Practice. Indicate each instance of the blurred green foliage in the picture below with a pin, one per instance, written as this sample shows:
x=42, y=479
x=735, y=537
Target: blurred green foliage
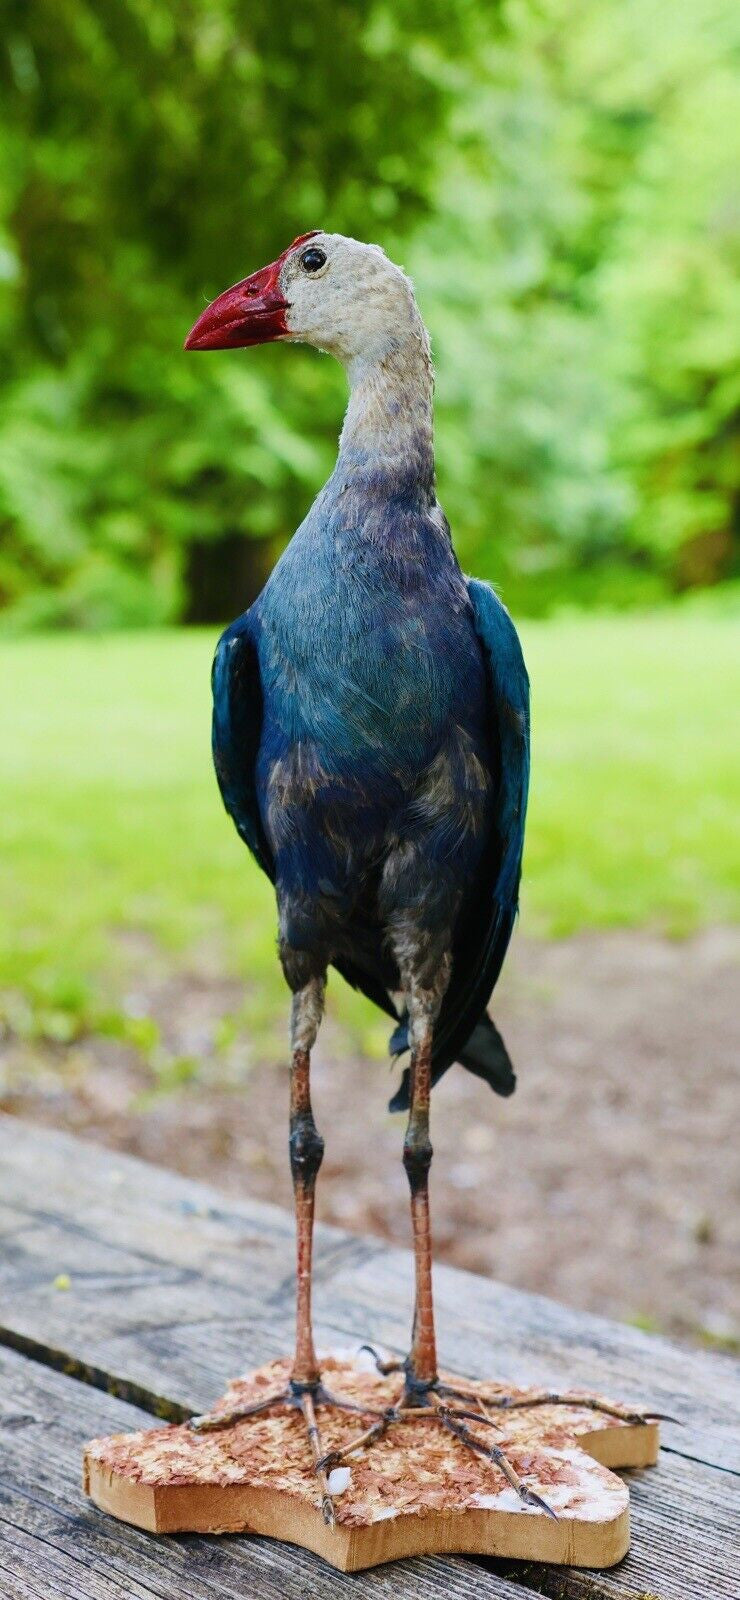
x=560, y=178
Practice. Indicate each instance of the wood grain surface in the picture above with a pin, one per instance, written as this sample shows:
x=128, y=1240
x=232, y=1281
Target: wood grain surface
x=172, y=1291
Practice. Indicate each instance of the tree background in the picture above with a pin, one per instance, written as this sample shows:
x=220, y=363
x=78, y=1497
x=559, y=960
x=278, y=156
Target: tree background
x=560, y=178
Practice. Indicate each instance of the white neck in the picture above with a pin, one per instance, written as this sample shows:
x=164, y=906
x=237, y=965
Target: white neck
x=388, y=427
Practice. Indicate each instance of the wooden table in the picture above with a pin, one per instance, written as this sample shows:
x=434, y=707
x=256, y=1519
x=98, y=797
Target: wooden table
x=128, y=1293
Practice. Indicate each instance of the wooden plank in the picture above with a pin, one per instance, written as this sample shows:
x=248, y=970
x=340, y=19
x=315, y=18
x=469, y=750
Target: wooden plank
x=175, y=1290
x=55, y=1545
x=166, y=1275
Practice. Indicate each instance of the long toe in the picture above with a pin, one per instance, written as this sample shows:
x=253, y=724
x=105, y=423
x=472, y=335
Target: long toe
x=528, y=1402
x=577, y=1402
x=492, y=1453
x=318, y=1454
x=217, y=1421
x=334, y=1458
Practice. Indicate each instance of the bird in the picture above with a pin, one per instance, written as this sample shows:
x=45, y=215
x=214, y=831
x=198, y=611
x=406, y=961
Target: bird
x=371, y=740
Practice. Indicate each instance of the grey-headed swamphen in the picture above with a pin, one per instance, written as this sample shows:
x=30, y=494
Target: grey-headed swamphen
x=371, y=741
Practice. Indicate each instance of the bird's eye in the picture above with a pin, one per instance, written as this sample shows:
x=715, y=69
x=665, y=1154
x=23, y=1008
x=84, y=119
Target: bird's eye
x=313, y=258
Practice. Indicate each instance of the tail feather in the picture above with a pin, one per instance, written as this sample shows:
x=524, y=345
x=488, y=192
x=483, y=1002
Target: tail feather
x=485, y=1055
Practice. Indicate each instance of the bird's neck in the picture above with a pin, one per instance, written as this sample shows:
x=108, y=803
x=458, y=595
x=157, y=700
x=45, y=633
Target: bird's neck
x=387, y=438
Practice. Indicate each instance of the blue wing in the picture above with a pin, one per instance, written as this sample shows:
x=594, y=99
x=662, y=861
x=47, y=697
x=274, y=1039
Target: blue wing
x=237, y=727
x=508, y=687
x=236, y=734
x=484, y=937
x=486, y=924
x=485, y=929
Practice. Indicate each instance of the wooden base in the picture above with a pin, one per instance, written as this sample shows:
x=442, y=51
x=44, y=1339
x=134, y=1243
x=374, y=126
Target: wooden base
x=416, y=1491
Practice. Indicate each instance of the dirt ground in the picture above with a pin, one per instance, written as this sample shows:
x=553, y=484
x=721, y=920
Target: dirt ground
x=610, y=1180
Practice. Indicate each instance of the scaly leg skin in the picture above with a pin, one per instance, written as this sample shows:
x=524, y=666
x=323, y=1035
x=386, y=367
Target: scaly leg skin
x=422, y=1395
x=314, y=1439
x=305, y=1390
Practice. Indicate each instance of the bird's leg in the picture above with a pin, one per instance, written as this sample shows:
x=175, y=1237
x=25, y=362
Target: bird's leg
x=423, y=1396
x=425, y=974
x=306, y=1152
x=421, y=1367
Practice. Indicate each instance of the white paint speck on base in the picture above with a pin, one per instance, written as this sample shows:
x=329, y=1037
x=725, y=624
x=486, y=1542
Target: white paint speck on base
x=506, y=1500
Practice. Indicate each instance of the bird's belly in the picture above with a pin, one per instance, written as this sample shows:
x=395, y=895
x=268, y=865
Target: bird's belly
x=335, y=819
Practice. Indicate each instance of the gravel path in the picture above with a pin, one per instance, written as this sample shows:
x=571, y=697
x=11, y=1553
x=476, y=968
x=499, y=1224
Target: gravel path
x=609, y=1180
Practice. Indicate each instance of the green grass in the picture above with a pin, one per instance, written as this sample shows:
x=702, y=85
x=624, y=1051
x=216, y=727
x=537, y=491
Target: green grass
x=113, y=842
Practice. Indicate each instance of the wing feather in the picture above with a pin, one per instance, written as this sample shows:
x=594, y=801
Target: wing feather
x=483, y=938
x=236, y=733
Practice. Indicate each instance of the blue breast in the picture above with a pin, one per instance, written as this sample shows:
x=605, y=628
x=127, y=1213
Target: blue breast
x=366, y=644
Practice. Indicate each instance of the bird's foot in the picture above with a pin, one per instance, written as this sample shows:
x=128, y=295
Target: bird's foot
x=456, y=1408
x=533, y=1398
x=432, y=1401
x=303, y=1397
x=468, y=1414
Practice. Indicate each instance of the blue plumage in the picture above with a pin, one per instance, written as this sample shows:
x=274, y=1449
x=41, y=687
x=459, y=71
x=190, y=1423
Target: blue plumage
x=371, y=740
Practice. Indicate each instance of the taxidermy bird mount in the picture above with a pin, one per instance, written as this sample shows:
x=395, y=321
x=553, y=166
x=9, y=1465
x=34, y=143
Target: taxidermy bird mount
x=371, y=742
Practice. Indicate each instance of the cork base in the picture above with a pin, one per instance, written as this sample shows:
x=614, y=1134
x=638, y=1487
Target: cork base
x=416, y=1491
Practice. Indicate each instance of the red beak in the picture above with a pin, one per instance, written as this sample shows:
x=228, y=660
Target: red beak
x=253, y=312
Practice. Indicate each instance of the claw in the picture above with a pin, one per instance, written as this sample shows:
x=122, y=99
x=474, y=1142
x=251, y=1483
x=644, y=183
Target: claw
x=383, y=1366
x=531, y=1499
x=655, y=1416
x=470, y=1416
x=481, y=1412
x=214, y=1421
